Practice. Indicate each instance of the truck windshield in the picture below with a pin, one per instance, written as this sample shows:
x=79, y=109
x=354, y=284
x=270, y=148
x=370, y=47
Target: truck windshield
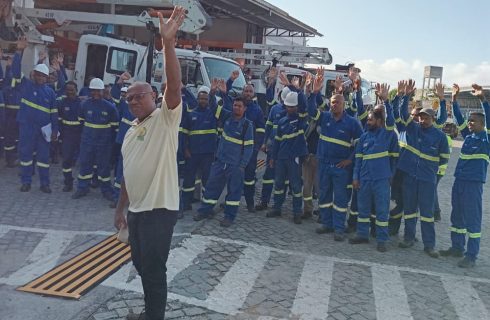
x=221, y=69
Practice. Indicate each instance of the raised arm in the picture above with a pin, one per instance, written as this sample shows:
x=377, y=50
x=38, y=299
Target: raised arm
x=382, y=91
x=442, y=112
x=460, y=120
x=313, y=111
x=478, y=92
x=271, y=85
x=168, y=31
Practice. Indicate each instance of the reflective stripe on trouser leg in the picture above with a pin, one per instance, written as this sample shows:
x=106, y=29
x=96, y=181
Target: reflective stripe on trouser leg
x=234, y=192
x=214, y=187
x=188, y=185
x=309, y=175
x=267, y=182
x=381, y=194
x=364, y=200
x=70, y=148
x=11, y=135
x=42, y=148
x=427, y=192
x=340, y=198
x=354, y=209
x=249, y=183
x=410, y=200
x=26, y=148
x=471, y=192
x=87, y=159
x=279, y=185
x=296, y=185
x=103, y=160
x=458, y=229
x=325, y=197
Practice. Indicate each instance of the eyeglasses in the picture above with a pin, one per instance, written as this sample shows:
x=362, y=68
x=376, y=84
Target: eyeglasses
x=137, y=96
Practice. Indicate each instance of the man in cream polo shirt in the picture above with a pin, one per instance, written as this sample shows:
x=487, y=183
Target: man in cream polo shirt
x=150, y=185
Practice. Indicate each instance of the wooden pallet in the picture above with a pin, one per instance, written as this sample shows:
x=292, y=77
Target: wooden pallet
x=78, y=275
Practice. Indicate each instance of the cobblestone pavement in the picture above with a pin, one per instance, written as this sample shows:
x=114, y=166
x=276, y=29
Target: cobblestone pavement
x=257, y=269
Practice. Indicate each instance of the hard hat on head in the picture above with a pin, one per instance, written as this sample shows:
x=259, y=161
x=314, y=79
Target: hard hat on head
x=428, y=111
x=42, y=68
x=96, y=84
x=284, y=93
x=203, y=89
x=124, y=89
x=291, y=99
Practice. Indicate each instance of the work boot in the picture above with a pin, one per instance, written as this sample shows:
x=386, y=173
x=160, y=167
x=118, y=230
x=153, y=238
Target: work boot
x=431, y=252
x=358, y=240
x=406, y=244
x=67, y=188
x=187, y=207
x=45, y=189
x=350, y=229
x=381, y=247
x=261, y=206
x=108, y=196
x=226, y=222
x=136, y=316
x=25, y=187
x=316, y=212
x=297, y=219
x=79, y=194
x=339, y=237
x=437, y=216
x=251, y=208
x=306, y=215
x=466, y=263
x=273, y=213
x=451, y=252
x=94, y=184
x=323, y=229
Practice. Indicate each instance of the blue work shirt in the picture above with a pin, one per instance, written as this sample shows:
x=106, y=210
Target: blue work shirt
x=290, y=141
x=69, y=111
x=201, y=129
x=125, y=116
x=100, y=120
x=235, y=146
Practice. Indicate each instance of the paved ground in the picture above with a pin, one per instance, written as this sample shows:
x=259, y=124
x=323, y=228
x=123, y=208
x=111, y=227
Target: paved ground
x=258, y=269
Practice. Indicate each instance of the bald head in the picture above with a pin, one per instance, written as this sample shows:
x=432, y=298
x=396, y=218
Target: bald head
x=337, y=104
x=141, y=99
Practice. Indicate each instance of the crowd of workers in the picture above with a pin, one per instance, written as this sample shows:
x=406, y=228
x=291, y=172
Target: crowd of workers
x=338, y=149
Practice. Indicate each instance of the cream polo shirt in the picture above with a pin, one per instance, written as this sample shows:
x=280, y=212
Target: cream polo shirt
x=149, y=153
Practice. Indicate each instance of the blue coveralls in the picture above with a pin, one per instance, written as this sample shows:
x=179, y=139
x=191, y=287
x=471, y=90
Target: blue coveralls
x=288, y=153
x=376, y=154
x=12, y=105
x=200, y=138
x=71, y=132
x=2, y=111
x=470, y=174
x=189, y=103
x=425, y=150
x=335, y=145
x=397, y=185
x=37, y=109
x=100, y=120
x=235, y=149
x=126, y=118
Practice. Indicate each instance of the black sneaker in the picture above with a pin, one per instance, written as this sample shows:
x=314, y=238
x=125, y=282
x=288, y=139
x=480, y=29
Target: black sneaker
x=466, y=263
x=406, y=244
x=261, y=206
x=323, y=229
x=306, y=215
x=67, y=188
x=451, y=252
x=316, y=212
x=431, y=252
x=339, y=237
x=297, y=219
x=273, y=213
x=79, y=194
x=45, y=189
x=358, y=240
x=226, y=222
x=25, y=188
x=381, y=247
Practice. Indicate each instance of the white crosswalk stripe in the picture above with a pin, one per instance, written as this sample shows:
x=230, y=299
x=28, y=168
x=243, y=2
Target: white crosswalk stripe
x=230, y=294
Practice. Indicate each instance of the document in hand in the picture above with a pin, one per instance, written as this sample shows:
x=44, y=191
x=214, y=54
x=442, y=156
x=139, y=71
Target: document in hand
x=46, y=131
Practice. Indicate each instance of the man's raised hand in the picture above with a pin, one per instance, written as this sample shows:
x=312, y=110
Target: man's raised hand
x=382, y=90
x=454, y=91
x=410, y=87
x=439, y=88
x=400, y=90
x=168, y=29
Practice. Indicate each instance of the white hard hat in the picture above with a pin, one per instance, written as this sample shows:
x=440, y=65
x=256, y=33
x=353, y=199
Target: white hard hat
x=42, y=68
x=124, y=89
x=284, y=93
x=203, y=89
x=96, y=84
x=291, y=99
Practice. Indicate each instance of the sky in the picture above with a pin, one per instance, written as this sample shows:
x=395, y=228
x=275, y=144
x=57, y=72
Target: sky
x=392, y=40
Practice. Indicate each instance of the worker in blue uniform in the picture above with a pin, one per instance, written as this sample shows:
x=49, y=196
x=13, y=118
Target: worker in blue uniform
x=288, y=153
x=255, y=115
x=118, y=93
x=200, y=141
x=425, y=150
x=375, y=164
x=189, y=103
x=2, y=107
x=470, y=174
x=37, y=118
x=100, y=120
x=11, y=127
x=335, y=155
x=69, y=107
x=234, y=152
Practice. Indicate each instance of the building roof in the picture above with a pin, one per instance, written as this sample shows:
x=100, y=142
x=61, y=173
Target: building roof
x=276, y=21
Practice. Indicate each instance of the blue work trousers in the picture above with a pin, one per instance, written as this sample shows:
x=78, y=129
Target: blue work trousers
x=249, y=188
x=267, y=181
x=31, y=141
x=118, y=176
x=99, y=155
x=375, y=192
x=466, y=216
x=196, y=163
x=333, y=197
x=70, y=148
x=288, y=169
x=11, y=135
x=223, y=174
x=418, y=197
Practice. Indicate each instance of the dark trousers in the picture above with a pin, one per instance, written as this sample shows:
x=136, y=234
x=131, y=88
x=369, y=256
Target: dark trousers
x=150, y=235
